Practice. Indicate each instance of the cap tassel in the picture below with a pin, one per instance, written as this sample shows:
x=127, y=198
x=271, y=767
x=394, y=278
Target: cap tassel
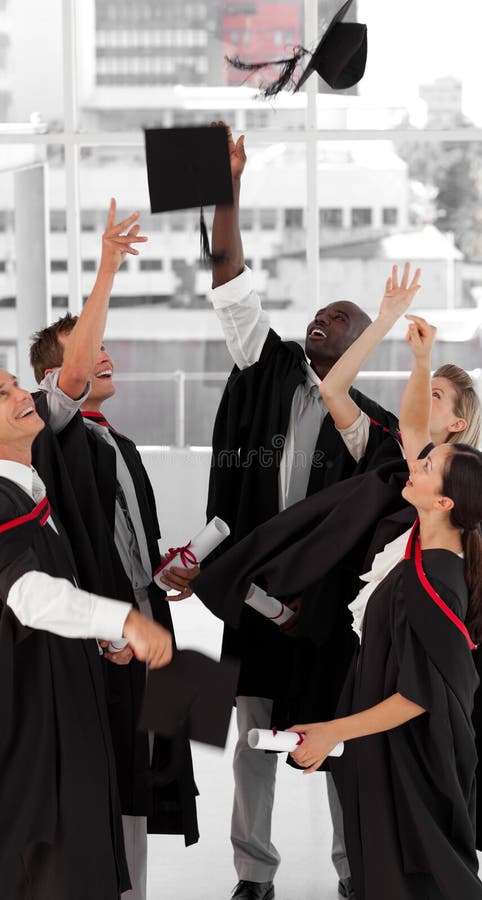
x=206, y=255
x=205, y=248
x=285, y=78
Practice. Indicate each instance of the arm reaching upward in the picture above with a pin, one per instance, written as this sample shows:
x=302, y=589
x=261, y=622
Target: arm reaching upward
x=227, y=245
x=336, y=384
x=82, y=350
x=417, y=397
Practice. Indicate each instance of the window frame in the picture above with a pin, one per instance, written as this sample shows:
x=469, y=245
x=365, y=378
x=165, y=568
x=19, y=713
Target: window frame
x=72, y=140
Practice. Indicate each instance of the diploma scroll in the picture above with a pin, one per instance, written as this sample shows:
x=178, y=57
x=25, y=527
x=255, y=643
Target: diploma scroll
x=195, y=551
x=117, y=646
x=268, y=606
x=284, y=741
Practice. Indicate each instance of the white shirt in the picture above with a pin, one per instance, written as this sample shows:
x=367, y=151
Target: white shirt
x=383, y=563
x=246, y=327
x=129, y=535
x=62, y=408
x=54, y=604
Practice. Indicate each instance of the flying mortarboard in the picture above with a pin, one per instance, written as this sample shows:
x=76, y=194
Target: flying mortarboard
x=188, y=167
x=193, y=695
x=340, y=58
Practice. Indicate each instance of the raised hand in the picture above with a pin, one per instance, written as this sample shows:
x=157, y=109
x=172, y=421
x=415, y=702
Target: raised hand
x=237, y=152
x=149, y=641
x=116, y=245
x=398, y=297
x=420, y=336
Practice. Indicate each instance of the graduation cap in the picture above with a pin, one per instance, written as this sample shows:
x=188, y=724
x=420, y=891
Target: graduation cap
x=188, y=167
x=340, y=58
x=193, y=695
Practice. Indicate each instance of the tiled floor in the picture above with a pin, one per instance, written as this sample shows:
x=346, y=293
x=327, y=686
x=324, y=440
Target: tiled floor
x=301, y=825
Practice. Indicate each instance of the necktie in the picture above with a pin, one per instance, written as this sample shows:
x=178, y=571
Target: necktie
x=38, y=487
x=125, y=495
x=306, y=433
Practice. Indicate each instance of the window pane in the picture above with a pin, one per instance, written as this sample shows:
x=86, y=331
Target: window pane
x=361, y=216
x=390, y=215
x=160, y=319
x=31, y=62
x=438, y=86
x=331, y=218
x=155, y=63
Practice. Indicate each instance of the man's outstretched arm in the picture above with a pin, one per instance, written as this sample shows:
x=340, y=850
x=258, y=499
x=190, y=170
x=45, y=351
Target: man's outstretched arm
x=82, y=349
x=227, y=244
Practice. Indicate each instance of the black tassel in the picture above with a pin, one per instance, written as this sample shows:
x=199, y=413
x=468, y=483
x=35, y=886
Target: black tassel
x=285, y=78
x=206, y=255
x=205, y=248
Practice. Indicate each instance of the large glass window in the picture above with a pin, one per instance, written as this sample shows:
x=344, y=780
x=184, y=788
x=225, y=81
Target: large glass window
x=338, y=185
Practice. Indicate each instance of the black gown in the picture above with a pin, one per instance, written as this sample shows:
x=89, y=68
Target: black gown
x=60, y=823
x=79, y=471
x=248, y=440
x=408, y=795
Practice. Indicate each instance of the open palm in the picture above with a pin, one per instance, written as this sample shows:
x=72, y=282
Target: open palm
x=399, y=296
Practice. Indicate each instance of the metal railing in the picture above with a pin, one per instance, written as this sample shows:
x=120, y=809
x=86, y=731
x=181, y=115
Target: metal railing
x=180, y=378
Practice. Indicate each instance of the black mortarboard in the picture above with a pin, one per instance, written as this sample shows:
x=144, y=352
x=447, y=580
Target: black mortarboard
x=188, y=167
x=339, y=58
x=193, y=695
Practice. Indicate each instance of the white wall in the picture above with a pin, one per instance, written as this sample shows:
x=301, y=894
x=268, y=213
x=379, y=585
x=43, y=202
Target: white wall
x=180, y=482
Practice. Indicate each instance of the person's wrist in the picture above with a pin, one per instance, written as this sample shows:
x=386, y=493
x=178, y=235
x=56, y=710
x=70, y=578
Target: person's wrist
x=107, y=268
x=338, y=731
x=130, y=623
x=388, y=318
x=423, y=361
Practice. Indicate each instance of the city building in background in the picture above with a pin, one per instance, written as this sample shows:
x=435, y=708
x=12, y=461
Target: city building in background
x=444, y=102
x=378, y=198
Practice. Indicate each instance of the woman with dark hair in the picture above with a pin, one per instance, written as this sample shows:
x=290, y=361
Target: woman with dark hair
x=407, y=775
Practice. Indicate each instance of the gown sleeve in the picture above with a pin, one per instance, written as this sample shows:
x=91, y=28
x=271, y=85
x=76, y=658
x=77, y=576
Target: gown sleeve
x=417, y=674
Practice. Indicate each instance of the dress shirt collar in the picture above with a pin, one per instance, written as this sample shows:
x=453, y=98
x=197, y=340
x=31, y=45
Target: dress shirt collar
x=311, y=377
x=19, y=473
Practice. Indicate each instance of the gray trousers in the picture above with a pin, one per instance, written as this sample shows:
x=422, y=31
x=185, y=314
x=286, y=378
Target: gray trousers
x=135, y=827
x=255, y=856
x=135, y=840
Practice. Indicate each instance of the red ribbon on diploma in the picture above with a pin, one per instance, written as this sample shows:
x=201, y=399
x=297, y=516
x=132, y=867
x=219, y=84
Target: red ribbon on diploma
x=186, y=556
x=277, y=616
x=300, y=736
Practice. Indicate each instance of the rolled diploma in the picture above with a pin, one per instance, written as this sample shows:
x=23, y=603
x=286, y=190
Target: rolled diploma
x=215, y=532
x=268, y=606
x=117, y=646
x=285, y=741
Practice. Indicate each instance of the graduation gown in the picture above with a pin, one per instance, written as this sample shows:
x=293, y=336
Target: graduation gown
x=79, y=471
x=408, y=795
x=248, y=441
x=60, y=823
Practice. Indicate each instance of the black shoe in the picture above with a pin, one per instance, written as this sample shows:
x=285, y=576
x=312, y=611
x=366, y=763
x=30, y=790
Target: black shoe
x=253, y=890
x=345, y=889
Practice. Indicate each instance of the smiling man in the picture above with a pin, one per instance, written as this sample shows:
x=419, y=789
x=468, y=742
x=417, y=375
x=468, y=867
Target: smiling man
x=109, y=505
x=60, y=825
x=274, y=443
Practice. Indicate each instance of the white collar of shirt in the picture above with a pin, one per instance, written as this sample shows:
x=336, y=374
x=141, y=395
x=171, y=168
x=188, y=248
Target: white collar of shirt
x=21, y=474
x=24, y=476
x=311, y=377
